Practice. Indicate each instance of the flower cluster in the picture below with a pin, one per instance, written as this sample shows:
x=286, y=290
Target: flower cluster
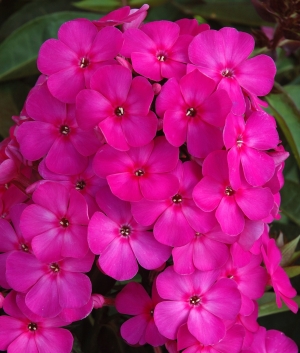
x=148, y=146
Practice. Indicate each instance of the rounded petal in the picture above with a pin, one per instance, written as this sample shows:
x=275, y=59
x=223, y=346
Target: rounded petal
x=208, y=194
x=230, y=216
x=175, y=125
x=158, y=186
x=58, y=340
x=133, y=330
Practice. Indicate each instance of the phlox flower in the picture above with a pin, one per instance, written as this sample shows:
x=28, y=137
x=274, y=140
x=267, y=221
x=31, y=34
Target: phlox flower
x=121, y=241
x=192, y=112
x=27, y=332
x=200, y=300
x=11, y=240
x=247, y=143
x=119, y=105
x=232, y=341
x=50, y=287
x=140, y=172
x=191, y=26
x=54, y=133
x=140, y=329
x=56, y=224
x=11, y=196
x=176, y=218
x=157, y=50
x=79, y=51
x=222, y=55
x=271, y=341
x=129, y=18
x=232, y=204
x=277, y=276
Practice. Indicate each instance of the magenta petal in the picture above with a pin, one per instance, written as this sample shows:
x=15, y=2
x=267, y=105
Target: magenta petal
x=9, y=239
x=43, y=298
x=256, y=203
x=149, y=253
x=91, y=108
x=47, y=247
x=99, y=225
x=215, y=166
x=26, y=341
x=234, y=166
x=125, y=186
x=163, y=33
x=133, y=330
x=133, y=299
x=233, y=340
x=147, y=65
x=106, y=45
x=252, y=231
x=111, y=128
x=153, y=336
x=169, y=316
x=23, y=270
x=206, y=327
x=170, y=97
x=58, y=340
x=276, y=340
x=3, y=281
x=172, y=228
x=258, y=166
x=171, y=68
x=183, y=259
x=55, y=56
x=118, y=260
x=11, y=328
x=230, y=216
x=75, y=241
x=208, y=193
x=258, y=126
x=135, y=38
x=175, y=137
x=139, y=130
x=35, y=139
x=63, y=158
x=232, y=87
x=256, y=75
x=68, y=297
x=158, y=186
x=146, y=212
x=66, y=84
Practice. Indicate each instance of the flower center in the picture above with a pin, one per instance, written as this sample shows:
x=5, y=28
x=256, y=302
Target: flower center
x=161, y=57
x=227, y=73
x=64, y=129
x=32, y=326
x=54, y=267
x=24, y=247
x=139, y=172
x=177, y=198
x=195, y=300
x=64, y=223
x=191, y=112
x=239, y=141
x=230, y=276
x=80, y=185
x=229, y=191
x=84, y=62
x=151, y=312
x=125, y=231
x=197, y=234
x=119, y=111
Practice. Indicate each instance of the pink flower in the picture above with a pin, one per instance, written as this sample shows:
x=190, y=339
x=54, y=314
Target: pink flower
x=140, y=329
x=56, y=224
x=193, y=112
x=278, y=277
x=200, y=300
x=11, y=196
x=129, y=18
x=54, y=133
x=120, y=241
x=222, y=55
x=27, y=332
x=79, y=51
x=157, y=50
x=139, y=172
x=247, y=142
x=191, y=27
x=119, y=105
x=50, y=287
x=232, y=204
x=177, y=218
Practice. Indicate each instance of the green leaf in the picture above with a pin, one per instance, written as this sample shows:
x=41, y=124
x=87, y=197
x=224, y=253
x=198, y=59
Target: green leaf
x=292, y=271
x=287, y=114
x=18, y=53
x=290, y=205
x=30, y=11
x=294, y=93
x=98, y=6
x=287, y=251
x=268, y=306
x=234, y=11
x=12, y=95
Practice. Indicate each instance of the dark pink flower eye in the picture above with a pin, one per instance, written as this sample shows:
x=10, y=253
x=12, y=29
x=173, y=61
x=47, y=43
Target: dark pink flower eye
x=229, y=191
x=64, y=222
x=80, y=185
x=64, y=129
x=139, y=172
x=32, y=326
x=177, y=198
x=195, y=300
x=119, y=111
x=227, y=73
x=161, y=57
x=54, y=267
x=191, y=112
x=24, y=247
x=125, y=231
x=84, y=62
